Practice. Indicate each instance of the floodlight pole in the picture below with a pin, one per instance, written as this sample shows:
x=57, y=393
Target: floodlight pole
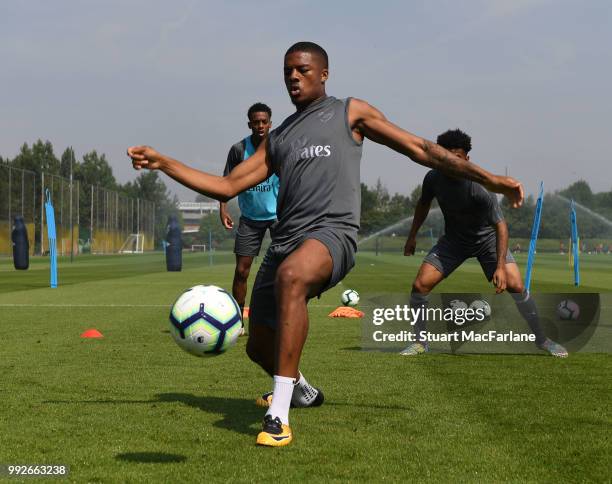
x=91, y=221
x=71, y=224
x=10, y=191
x=42, y=211
x=210, y=255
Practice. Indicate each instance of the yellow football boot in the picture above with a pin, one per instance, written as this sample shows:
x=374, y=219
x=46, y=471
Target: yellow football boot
x=274, y=433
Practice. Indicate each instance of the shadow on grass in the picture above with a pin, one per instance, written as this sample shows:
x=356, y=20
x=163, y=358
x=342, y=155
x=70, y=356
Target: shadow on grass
x=150, y=457
x=237, y=414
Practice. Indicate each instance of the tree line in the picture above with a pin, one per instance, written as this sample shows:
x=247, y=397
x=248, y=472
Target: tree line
x=379, y=209
x=94, y=169
x=555, y=221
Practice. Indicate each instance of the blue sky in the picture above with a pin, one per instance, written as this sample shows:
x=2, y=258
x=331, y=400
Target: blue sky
x=528, y=79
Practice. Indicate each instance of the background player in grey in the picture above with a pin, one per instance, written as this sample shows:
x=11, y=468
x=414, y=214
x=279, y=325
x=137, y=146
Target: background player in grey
x=473, y=227
x=316, y=153
x=257, y=204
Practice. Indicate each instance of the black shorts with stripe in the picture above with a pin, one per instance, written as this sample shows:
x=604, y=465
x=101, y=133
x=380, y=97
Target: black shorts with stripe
x=446, y=256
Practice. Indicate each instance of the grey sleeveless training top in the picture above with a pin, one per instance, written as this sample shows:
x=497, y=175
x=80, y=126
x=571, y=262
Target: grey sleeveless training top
x=470, y=210
x=314, y=154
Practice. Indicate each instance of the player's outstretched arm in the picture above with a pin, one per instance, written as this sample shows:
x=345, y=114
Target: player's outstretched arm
x=420, y=214
x=246, y=175
x=499, y=277
x=370, y=123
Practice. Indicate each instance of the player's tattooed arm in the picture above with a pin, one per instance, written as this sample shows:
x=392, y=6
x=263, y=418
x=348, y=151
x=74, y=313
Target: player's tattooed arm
x=223, y=188
x=441, y=159
x=368, y=122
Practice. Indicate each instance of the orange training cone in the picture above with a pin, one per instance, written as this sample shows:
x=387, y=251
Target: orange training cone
x=346, y=312
x=245, y=312
x=92, y=333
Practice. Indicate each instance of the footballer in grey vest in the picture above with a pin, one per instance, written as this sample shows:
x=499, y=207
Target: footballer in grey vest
x=315, y=152
x=317, y=160
x=474, y=226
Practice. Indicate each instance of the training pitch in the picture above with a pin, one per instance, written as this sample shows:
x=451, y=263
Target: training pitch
x=133, y=407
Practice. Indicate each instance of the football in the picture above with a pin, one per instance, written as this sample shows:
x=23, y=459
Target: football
x=205, y=320
x=456, y=304
x=568, y=310
x=350, y=297
x=483, y=306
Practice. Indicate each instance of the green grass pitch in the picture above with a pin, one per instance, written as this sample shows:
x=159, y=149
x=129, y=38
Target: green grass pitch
x=133, y=407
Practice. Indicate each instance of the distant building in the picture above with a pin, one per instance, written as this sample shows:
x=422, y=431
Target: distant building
x=193, y=212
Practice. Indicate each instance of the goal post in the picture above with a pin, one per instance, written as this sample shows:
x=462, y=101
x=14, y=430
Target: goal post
x=134, y=244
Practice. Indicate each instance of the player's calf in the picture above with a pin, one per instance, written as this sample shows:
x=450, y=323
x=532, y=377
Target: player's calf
x=260, y=347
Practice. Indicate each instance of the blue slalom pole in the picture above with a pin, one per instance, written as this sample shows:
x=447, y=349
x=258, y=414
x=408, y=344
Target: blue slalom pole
x=52, y=238
x=575, y=244
x=535, y=229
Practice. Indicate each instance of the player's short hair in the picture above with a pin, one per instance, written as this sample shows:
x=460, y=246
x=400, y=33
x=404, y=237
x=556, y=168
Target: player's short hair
x=310, y=47
x=259, y=108
x=455, y=139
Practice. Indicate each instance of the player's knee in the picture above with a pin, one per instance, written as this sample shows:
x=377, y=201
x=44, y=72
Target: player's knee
x=419, y=286
x=242, y=272
x=289, y=278
x=515, y=286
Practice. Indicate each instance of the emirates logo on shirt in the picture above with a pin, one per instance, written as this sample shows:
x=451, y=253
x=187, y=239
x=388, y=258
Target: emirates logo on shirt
x=314, y=151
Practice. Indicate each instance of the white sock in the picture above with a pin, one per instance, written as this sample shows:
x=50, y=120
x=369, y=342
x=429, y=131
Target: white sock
x=283, y=389
x=303, y=393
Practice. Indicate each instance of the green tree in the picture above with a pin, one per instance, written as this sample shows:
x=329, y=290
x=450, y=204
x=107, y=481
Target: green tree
x=210, y=224
x=579, y=191
x=39, y=158
x=602, y=203
x=379, y=209
x=68, y=163
x=148, y=186
x=519, y=220
x=415, y=195
x=95, y=170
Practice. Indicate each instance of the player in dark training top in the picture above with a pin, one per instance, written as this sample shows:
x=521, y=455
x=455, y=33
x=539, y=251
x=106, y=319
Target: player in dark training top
x=316, y=153
x=473, y=227
x=257, y=204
